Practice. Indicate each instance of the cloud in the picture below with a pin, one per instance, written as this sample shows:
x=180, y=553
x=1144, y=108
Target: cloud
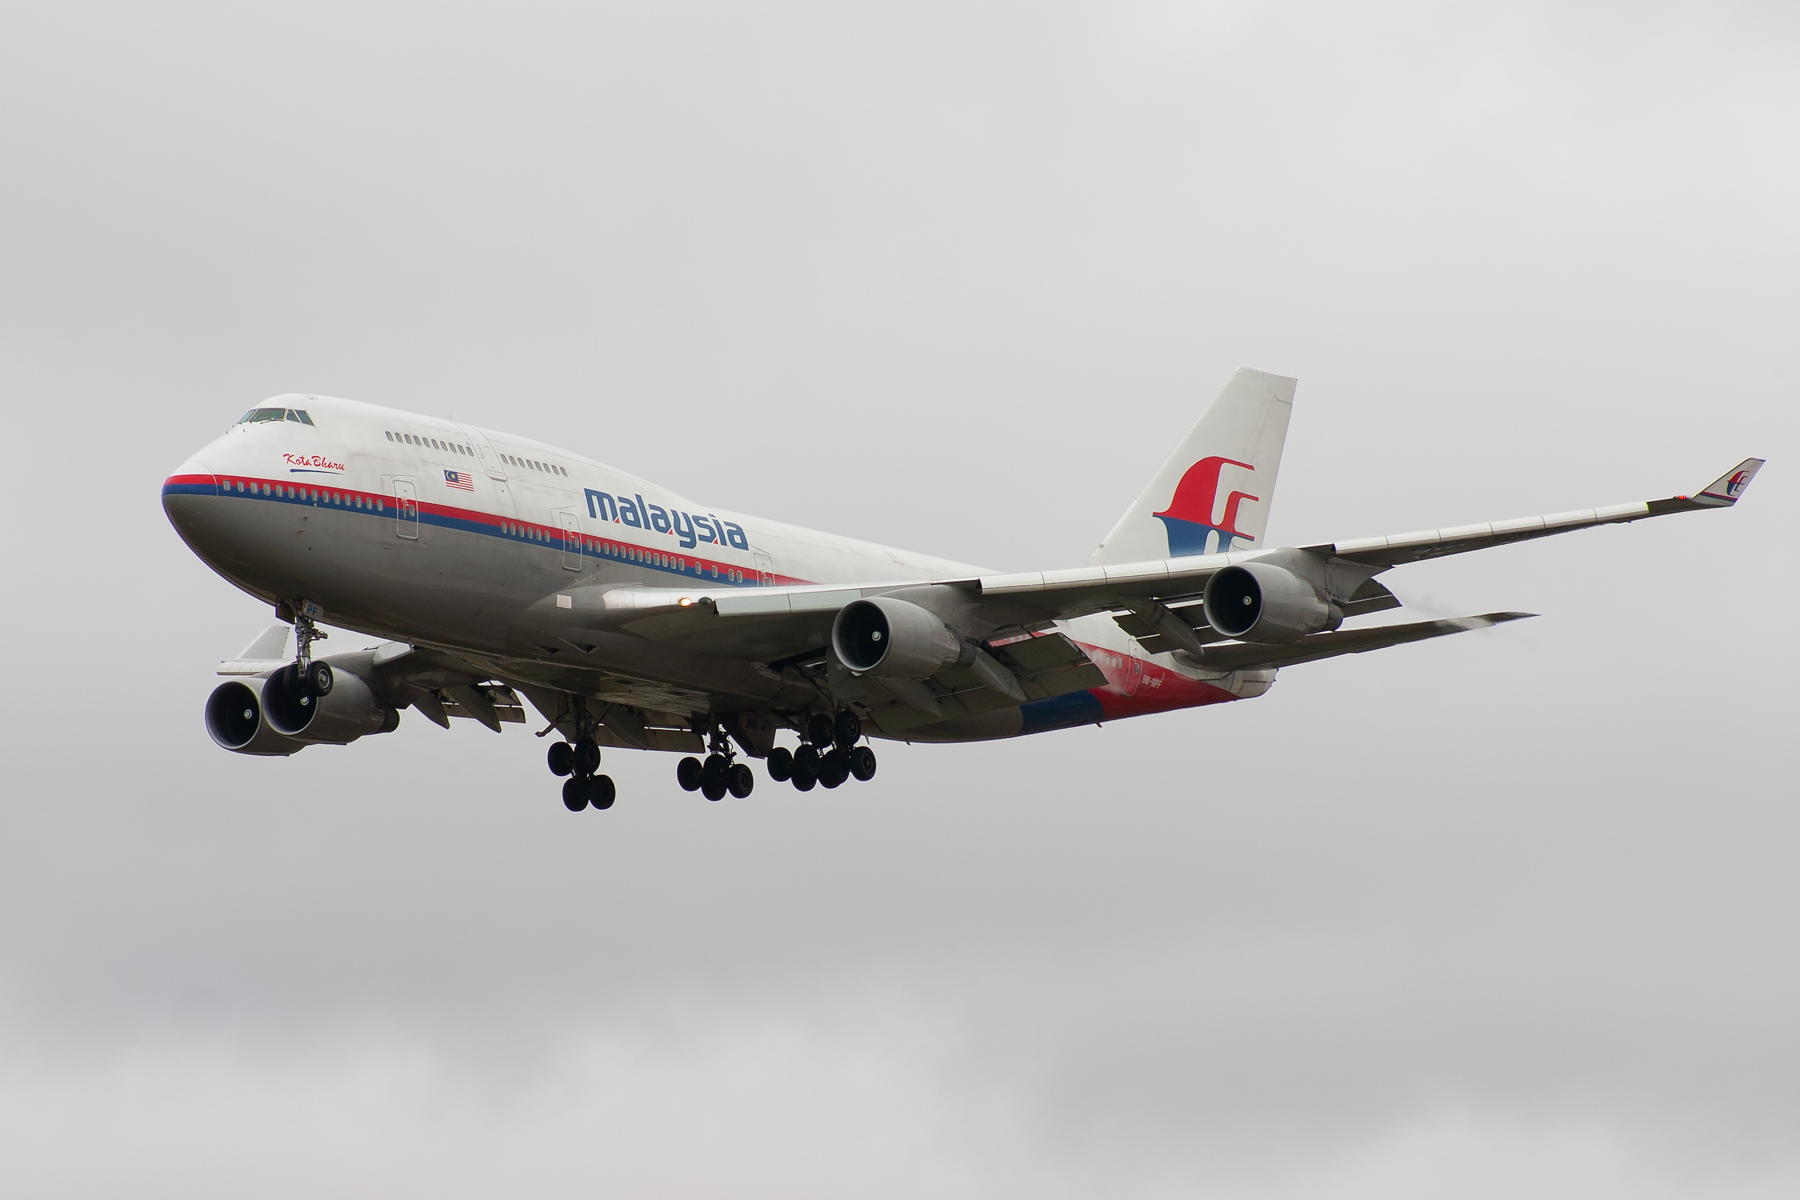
x=1509, y=911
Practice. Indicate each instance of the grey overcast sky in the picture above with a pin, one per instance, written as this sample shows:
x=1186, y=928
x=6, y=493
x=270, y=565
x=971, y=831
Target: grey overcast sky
x=1511, y=914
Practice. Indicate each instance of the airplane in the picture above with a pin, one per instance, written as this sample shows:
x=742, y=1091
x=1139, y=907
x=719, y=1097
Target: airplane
x=494, y=567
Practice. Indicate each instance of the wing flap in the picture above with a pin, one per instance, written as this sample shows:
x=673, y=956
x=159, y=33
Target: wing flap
x=1243, y=655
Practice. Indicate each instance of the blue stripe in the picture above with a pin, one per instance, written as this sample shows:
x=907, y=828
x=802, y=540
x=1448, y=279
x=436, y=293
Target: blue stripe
x=555, y=542
x=1061, y=712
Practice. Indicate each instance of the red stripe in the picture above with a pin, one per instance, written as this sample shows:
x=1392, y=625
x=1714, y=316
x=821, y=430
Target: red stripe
x=552, y=534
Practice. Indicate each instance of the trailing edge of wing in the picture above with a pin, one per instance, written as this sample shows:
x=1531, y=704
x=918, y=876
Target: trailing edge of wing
x=1243, y=655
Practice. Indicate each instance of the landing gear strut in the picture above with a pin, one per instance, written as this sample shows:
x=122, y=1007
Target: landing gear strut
x=578, y=760
x=315, y=678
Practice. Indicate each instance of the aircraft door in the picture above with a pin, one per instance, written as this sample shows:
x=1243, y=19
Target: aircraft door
x=406, y=509
x=765, y=568
x=571, y=559
x=1133, y=674
x=485, y=454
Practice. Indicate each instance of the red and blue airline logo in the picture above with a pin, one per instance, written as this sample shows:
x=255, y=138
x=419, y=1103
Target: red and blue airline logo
x=1189, y=517
x=1736, y=483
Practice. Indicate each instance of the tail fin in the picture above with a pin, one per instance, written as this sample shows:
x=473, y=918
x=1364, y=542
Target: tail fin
x=1214, y=492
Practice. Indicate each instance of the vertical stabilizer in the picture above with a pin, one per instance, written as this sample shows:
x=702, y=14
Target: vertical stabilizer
x=1214, y=492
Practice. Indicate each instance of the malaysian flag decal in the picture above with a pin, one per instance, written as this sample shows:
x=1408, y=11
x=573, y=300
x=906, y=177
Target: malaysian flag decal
x=459, y=479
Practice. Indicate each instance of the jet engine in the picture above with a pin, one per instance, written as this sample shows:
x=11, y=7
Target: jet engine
x=1260, y=602
x=234, y=718
x=892, y=638
x=341, y=715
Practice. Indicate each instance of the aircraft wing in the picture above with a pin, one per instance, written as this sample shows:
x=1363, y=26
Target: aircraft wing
x=1385, y=552
x=770, y=624
x=1084, y=590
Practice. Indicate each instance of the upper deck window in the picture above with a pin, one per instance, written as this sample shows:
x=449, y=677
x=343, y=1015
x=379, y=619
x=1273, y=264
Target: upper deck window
x=256, y=415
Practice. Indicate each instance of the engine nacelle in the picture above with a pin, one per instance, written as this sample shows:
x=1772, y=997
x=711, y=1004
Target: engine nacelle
x=234, y=718
x=1260, y=602
x=342, y=715
x=892, y=638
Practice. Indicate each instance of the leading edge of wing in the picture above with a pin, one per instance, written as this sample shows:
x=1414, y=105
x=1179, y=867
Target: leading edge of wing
x=1384, y=552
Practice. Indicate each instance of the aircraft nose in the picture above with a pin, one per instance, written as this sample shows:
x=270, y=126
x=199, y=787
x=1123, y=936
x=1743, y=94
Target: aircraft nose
x=183, y=495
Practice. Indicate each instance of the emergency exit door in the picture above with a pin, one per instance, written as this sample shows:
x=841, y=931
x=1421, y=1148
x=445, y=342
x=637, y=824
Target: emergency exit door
x=406, y=509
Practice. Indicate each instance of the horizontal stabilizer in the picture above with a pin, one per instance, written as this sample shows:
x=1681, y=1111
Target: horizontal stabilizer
x=1243, y=655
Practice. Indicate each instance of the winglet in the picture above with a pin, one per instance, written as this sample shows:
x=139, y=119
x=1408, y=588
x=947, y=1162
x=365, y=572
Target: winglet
x=1722, y=492
x=1726, y=489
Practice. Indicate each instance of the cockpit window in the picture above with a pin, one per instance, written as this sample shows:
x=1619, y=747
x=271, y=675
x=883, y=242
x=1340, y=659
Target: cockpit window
x=256, y=415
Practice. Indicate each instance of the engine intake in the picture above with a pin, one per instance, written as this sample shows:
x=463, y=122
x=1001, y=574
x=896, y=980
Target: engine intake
x=892, y=638
x=234, y=718
x=1259, y=602
x=342, y=715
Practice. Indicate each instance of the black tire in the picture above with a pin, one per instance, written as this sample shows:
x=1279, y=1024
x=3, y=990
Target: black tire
x=819, y=731
x=601, y=792
x=319, y=679
x=687, y=774
x=562, y=759
x=781, y=764
x=587, y=756
x=806, y=768
x=862, y=763
x=846, y=729
x=713, y=789
x=712, y=771
x=741, y=780
x=575, y=795
x=834, y=768
x=806, y=759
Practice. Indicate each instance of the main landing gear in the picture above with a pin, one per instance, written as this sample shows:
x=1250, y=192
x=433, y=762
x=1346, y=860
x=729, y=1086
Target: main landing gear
x=828, y=754
x=718, y=774
x=578, y=761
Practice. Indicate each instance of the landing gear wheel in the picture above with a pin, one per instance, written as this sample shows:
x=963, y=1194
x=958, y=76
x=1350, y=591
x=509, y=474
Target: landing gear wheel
x=575, y=793
x=740, y=780
x=713, y=789
x=600, y=791
x=862, y=763
x=819, y=730
x=806, y=768
x=713, y=770
x=587, y=756
x=846, y=729
x=834, y=768
x=687, y=774
x=781, y=764
x=806, y=760
x=318, y=679
x=562, y=759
